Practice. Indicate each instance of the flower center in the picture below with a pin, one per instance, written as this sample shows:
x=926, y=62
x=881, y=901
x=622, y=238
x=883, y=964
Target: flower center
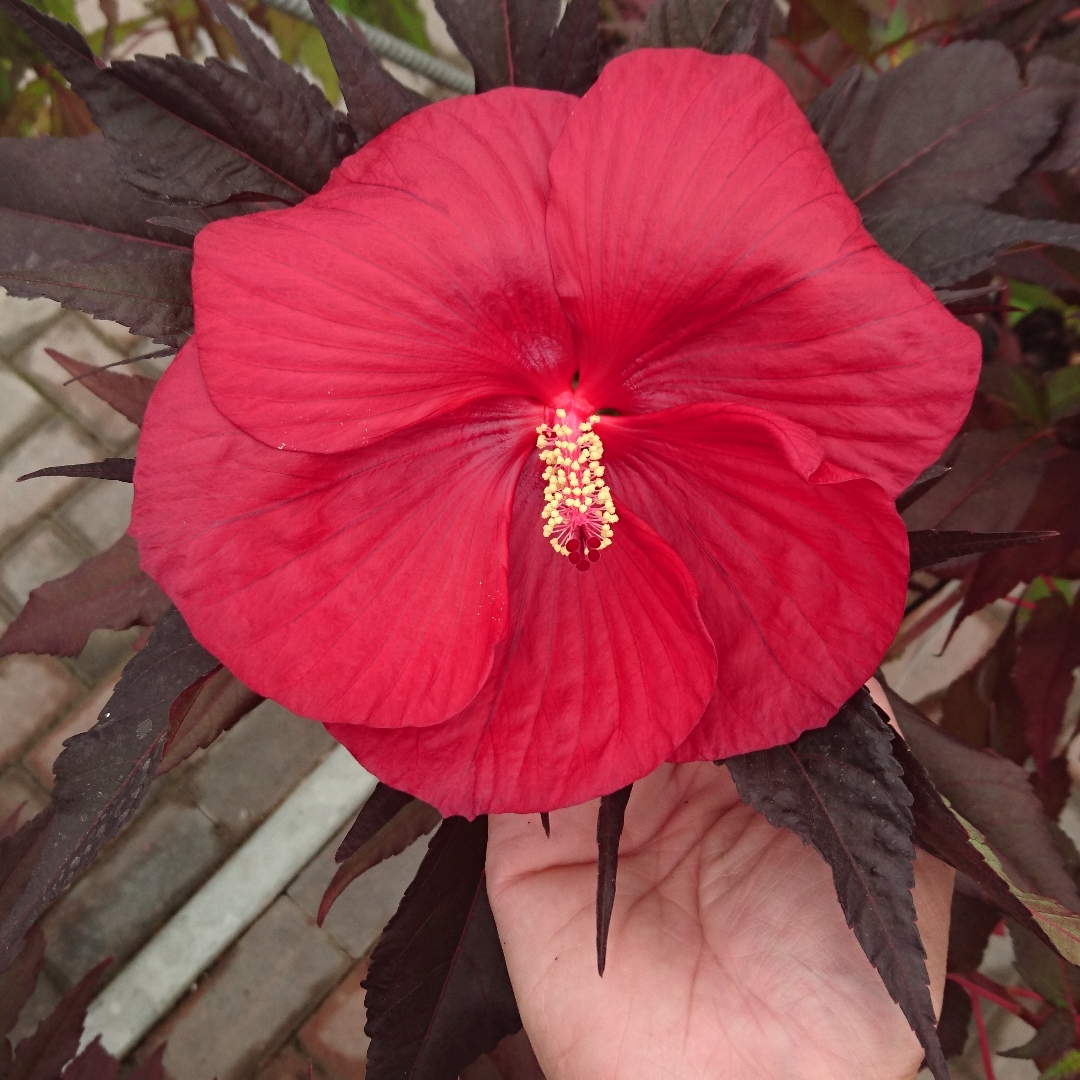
x=578, y=511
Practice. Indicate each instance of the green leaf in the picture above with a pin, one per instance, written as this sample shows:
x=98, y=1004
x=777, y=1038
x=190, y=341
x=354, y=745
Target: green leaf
x=849, y=21
x=1063, y=392
x=1026, y=298
x=400, y=17
x=1065, y=1069
x=1059, y=924
x=64, y=10
x=121, y=32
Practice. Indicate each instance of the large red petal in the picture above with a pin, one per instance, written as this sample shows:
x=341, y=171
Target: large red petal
x=802, y=567
x=363, y=586
x=704, y=250
x=601, y=676
x=415, y=282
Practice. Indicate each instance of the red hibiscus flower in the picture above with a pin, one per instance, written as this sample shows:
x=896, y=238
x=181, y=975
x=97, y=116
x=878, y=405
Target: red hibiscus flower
x=554, y=438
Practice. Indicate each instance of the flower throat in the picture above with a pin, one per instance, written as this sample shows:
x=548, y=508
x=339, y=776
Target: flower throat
x=578, y=512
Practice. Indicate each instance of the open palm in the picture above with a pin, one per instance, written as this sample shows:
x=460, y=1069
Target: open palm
x=729, y=957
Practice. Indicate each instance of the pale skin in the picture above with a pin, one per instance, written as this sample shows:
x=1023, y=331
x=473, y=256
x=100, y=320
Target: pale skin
x=729, y=957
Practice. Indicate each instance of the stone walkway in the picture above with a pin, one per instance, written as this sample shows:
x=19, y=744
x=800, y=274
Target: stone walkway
x=286, y=992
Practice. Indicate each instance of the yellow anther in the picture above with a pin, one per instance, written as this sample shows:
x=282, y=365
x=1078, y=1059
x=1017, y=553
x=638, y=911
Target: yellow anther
x=578, y=511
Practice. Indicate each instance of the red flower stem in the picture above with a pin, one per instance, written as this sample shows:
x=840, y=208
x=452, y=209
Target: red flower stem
x=806, y=62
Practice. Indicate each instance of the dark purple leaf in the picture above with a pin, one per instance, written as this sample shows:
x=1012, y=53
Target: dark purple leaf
x=205, y=710
x=1054, y=1038
x=94, y=1063
x=108, y=591
x=840, y=789
x=921, y=485
x=103, y=774
x=18, y=856
x=515, y=1059
x=502, y=39
x=1043, y=970
x=1047, y=651
x=18, y=982
x=570, y=60
x=374, y=98
x=152, y=1067
x=990, y=485
x=545, y=821
x=86, y=242
x=127, y=394
x=971, y=922
x=938, y=832
x=44, y=1054
x=381, y=808
x=949, y=125
x=197, y=134
x=1055, y=505
x=1065, y=150
x=609, y=827
x=413, y=820
x=315, y=128
x=995, y=795
x=931, y=546
x=438, y=994
x=952, y=242
x=110, y=468
x=717, y=26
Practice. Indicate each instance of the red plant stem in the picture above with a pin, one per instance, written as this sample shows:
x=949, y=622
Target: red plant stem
x=938, y=611
x=911, y=35
x=984, y=1042
x=979, y=984
x=1026, y=605
x=1067, y=988
x=806, y=62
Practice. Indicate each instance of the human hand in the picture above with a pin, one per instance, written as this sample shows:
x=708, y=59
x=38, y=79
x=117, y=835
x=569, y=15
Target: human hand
x=728, y=957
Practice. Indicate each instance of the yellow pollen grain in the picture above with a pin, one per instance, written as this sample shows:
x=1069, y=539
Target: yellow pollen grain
x=576, y=495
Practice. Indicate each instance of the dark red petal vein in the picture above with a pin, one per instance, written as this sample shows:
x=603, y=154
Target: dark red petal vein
x=415, y=282
x=802, y=567
x=369, y=585
x=601, y=675
x=704, y=251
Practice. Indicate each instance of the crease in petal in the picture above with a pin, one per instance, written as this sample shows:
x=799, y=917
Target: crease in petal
x=415, y=282
x=600, y=677
x=802, y=565
x=704, y=250
x=367, y=586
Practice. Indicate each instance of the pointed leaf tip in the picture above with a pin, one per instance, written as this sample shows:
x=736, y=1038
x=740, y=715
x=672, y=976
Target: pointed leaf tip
x=113, y=468
x=840, y=789
x=413, y=820
x=443, y=946
x=380, y=809
x=609, y=827
x=373, y=97
x=127, y=394
x=545, y=820
x=928, y=547
x=108, y=591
